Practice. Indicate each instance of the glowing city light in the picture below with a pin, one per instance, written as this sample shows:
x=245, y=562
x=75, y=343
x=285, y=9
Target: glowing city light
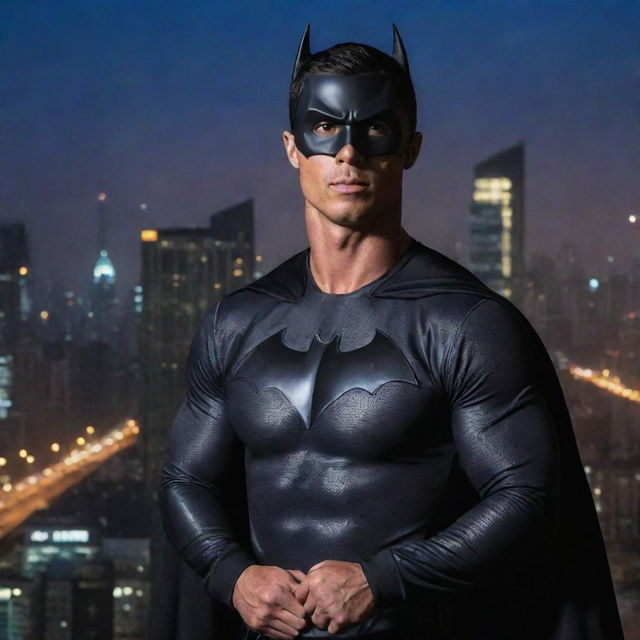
x=104, y=267
x=605, y=381
x=27, y=495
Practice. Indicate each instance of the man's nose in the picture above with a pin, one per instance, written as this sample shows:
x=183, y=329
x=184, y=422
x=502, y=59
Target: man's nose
x=349, y=154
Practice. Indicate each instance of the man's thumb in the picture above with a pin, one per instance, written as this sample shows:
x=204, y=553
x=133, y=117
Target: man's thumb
x=300, y=592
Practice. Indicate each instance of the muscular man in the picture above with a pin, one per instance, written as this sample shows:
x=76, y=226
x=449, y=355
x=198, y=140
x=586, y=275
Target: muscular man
x=410, y=468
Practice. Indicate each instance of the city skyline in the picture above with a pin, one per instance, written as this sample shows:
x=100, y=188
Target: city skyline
x=182, y=113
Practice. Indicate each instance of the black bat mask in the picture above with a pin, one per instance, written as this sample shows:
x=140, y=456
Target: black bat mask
x=334, y=110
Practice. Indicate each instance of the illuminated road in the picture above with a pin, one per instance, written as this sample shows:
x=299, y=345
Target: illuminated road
x=19, y=501
x=606, y=381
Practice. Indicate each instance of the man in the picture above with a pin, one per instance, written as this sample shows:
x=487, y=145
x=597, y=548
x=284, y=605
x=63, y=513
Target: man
x=410, y=466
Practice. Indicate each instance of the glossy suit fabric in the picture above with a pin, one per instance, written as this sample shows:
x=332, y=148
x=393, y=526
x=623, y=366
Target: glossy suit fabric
x=415, y=425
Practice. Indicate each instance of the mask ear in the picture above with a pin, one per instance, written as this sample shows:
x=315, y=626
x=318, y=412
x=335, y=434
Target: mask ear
x=399, y=52
x=304, y=52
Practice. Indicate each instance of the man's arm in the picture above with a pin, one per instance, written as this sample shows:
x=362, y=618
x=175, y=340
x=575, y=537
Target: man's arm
x=203, y=448
x=506, y=440
x=202, y=462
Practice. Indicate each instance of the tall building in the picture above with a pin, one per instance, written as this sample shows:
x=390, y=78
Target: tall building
x=236, y=225
x=184, y=272
x=19, y=614
x=15, y=305
x=497, y=222
x=103, y=326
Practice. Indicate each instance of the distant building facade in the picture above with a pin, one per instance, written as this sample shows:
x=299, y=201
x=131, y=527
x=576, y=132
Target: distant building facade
x=184, y=272
x=497, y=222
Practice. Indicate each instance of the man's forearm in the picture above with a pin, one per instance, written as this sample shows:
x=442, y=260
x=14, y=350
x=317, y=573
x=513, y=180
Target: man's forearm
x=488, y=543
x=197, y=524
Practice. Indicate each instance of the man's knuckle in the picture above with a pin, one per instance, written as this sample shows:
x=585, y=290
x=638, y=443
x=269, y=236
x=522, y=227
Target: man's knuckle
x=262, y=614
x=272, y=595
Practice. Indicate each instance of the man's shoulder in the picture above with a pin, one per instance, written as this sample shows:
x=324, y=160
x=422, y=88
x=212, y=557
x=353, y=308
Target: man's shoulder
x=451, y=294
x=426, y=273
x=285, y=282
x=444, y=285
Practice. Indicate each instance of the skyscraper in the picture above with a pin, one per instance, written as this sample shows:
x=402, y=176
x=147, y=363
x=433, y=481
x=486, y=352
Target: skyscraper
x=184, y=272
x=15, y=304
x=497, y=222
x=103, y=326
x=235, y=224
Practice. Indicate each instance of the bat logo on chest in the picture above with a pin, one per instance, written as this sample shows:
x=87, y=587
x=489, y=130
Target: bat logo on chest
x=312, y=380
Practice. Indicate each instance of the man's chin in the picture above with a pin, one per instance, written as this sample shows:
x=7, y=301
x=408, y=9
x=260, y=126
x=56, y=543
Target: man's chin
x=354, y=216
x=352, y=220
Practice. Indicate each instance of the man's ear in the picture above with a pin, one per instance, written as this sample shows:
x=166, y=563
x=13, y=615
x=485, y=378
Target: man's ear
x=290, y=147
x=413, y=150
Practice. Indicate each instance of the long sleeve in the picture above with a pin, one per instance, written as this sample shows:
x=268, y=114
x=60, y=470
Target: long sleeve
x=197, y=475
x=506, y=440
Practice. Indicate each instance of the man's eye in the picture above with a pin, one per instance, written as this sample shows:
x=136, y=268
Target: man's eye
x=326, y=129
x=379, y=128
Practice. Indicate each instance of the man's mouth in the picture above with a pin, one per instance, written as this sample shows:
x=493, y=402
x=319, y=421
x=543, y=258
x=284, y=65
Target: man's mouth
x=348, y=185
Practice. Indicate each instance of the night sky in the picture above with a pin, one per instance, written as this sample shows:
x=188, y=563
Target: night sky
x=180, y=105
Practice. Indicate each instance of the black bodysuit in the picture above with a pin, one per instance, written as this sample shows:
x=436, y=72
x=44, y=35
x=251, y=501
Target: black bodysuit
x=416, y=426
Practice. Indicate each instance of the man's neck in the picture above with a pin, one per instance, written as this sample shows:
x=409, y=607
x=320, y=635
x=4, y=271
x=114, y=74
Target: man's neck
x=343, y=263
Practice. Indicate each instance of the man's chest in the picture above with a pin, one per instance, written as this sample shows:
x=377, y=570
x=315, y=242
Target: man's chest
x=363, y=390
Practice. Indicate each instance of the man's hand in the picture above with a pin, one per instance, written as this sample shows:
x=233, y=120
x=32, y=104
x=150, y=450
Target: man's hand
x=264, y=597
x=335, y=593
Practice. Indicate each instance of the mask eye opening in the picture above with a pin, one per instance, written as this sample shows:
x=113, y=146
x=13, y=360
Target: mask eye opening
x=326, y=128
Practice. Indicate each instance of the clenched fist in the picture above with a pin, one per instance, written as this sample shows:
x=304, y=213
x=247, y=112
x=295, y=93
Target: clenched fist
x=264, y=598
x=335, y=594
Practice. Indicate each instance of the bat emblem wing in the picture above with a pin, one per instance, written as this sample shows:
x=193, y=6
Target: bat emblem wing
x=312, y=380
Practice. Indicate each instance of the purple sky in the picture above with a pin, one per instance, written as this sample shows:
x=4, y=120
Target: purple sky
x=180, y=105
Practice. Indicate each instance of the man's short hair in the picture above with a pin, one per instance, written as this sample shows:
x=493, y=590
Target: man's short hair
x=351, y=58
